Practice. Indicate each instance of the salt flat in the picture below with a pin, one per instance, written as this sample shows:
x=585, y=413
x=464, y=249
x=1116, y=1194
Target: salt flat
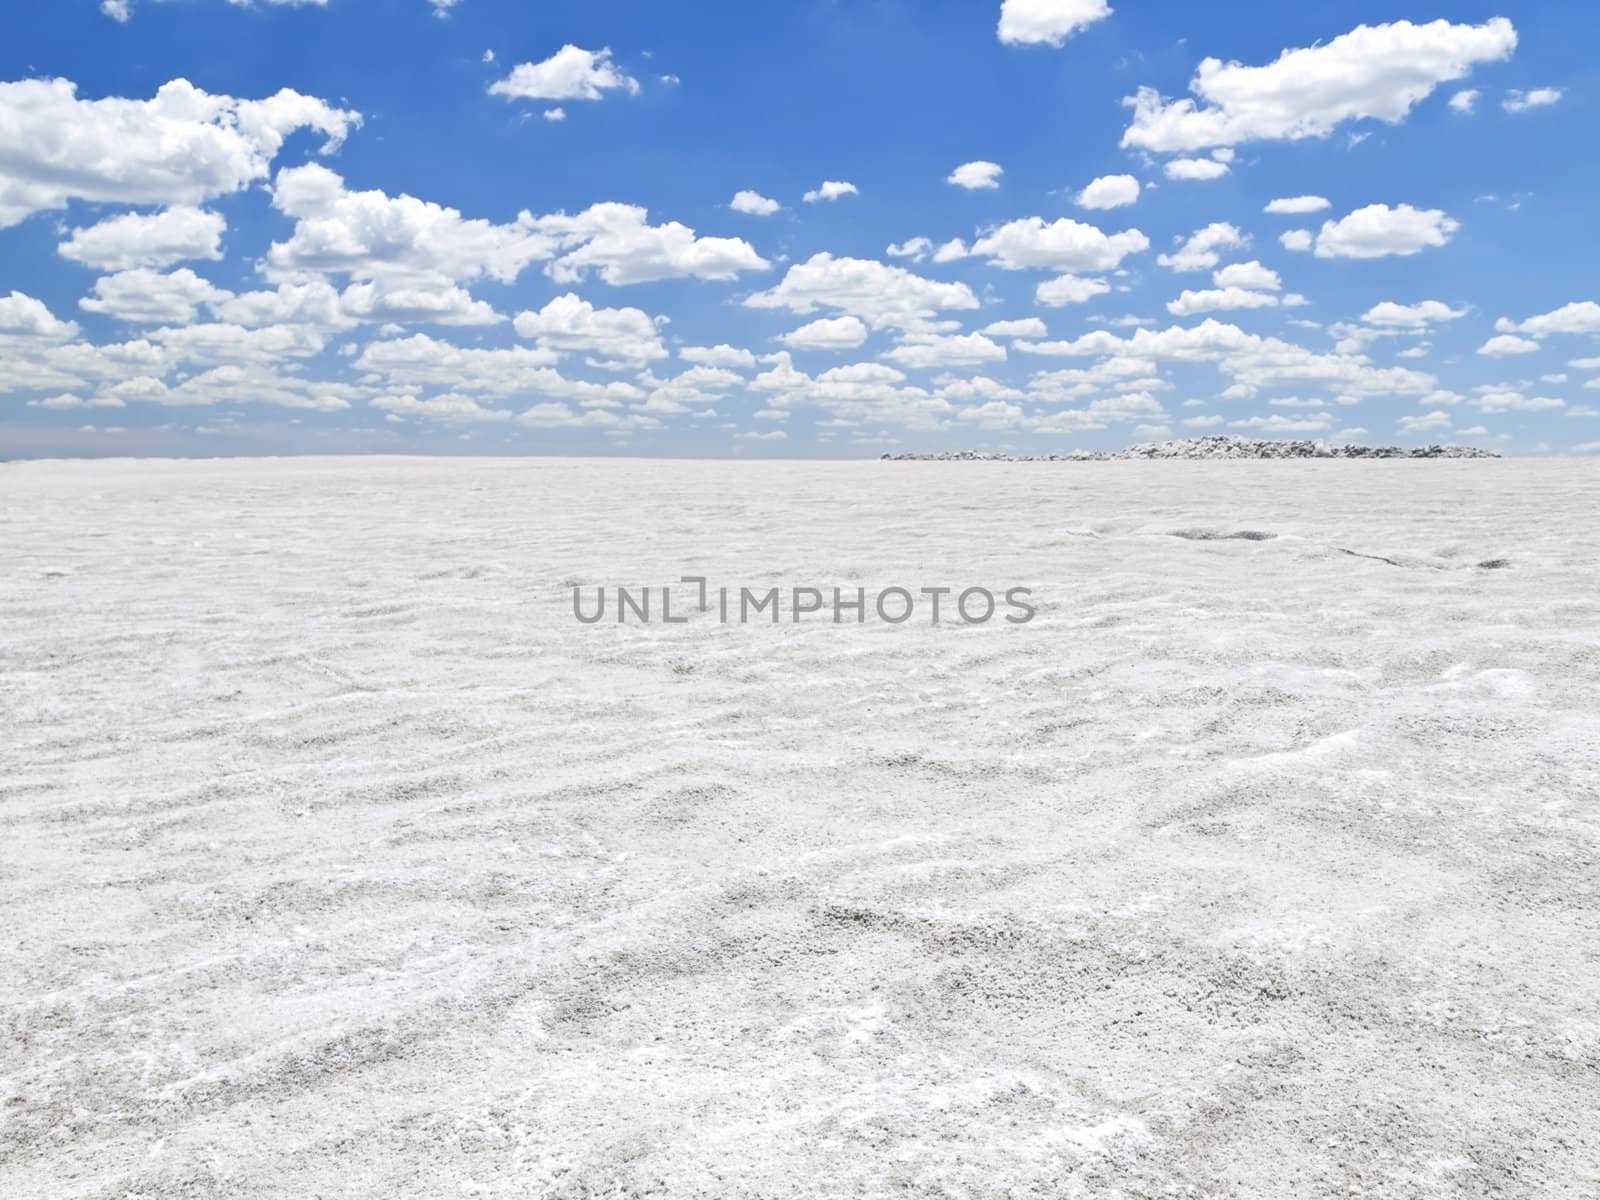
x=339, y=860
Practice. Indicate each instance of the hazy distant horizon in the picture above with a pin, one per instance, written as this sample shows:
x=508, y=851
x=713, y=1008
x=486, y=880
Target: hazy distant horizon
x=739, y=454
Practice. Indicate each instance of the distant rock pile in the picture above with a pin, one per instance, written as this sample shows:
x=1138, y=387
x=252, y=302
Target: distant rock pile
x=1208, y=448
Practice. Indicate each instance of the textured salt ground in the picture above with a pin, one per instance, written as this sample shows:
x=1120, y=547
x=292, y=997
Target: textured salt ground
x=338, y=860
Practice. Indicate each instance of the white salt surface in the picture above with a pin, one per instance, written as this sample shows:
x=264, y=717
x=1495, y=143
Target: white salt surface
x=339, y=861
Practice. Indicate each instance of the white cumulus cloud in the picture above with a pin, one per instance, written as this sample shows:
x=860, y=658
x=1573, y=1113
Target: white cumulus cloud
x=448, y=408
x=1109, y=191
x=121, y=11
x=881, y=295
x=1220, y=299
x=1060, y=245
x=1248, y=275
x=1580, y=317
x=922, y=351
x=832, y=189
x=1378, y=231
x=23, y=316
x=916, y=249
x=1520, y=102
x=1295, y=205
x=151, y=298
x=827, y=333
x=1069, y=289
x=621, y=336
x=182, y=147
x=1411, y=316
x=1026, y=327
x=571, y=73
x=754, y=204
x=366, y=234
x=1505, y=345
x=618, y=243
x=161, y=239
x=1374, y=71
x=976, y=176
x=1047, y=22
x=1203, y=249
x=370, y=234
x=1195, y=169
x=722, y=355
x=415, y=302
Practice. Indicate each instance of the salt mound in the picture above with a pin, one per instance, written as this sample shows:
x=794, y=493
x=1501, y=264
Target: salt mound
x=1212, y=447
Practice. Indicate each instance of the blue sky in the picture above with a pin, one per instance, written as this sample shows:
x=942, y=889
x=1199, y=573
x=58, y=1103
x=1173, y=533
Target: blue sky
x=501, y=227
